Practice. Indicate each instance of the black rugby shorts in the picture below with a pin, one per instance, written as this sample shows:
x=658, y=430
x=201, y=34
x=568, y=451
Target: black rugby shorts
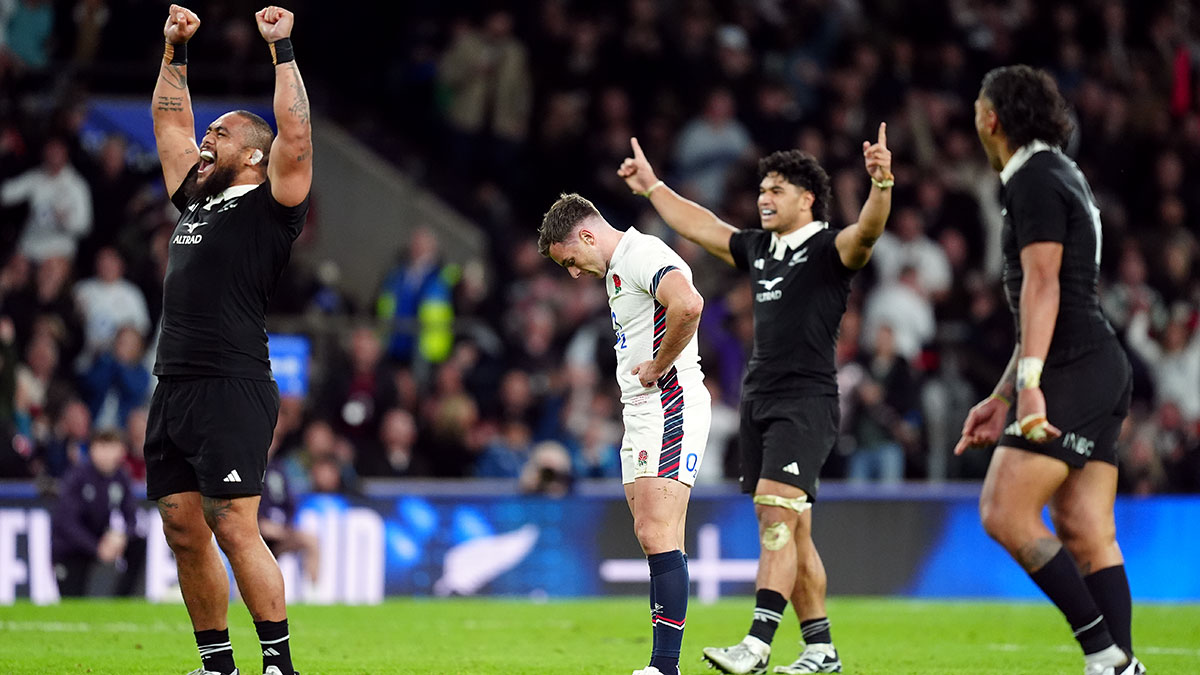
x=787, y=440
x=1087, y=393
x=209, y=435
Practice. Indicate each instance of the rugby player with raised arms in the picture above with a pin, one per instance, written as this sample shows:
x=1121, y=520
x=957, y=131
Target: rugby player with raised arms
x=801, y=272
x=242, y=194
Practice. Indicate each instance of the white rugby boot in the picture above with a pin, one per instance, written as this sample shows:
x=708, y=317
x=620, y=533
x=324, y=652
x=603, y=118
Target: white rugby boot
x=651, y=670
x=202, y=671
x=1113, y=661
x=748, y=656
x=816, y=658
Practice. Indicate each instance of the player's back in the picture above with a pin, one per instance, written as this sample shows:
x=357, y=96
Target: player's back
x=1047, y=199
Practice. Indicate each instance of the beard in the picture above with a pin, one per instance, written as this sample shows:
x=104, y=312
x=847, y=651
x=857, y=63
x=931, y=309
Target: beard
x=220, y=178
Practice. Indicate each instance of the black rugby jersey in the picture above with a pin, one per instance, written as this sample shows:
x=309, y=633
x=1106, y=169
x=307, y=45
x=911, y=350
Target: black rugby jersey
x=225, y=257
x=1046, y=198
x=800, y=291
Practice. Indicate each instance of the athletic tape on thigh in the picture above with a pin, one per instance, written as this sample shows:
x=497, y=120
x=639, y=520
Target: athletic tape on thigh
x=799, y=504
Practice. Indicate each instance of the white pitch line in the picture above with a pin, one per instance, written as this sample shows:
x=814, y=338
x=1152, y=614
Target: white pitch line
x=85, y=627
x=1164, y=651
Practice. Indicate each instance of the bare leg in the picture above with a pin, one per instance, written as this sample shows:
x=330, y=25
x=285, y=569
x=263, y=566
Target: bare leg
x=1018, y=485
x=777, y=529
x=235, y=522
x=202, y=578
x=808, y=593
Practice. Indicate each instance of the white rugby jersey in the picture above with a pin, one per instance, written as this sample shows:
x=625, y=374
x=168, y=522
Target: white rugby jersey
x=638, y=264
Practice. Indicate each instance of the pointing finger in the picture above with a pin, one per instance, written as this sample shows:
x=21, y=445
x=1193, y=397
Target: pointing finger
x=883, y=134
x=637, y=150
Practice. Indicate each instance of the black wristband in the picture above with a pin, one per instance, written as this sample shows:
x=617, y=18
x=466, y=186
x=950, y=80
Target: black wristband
x=281, y=51
x=175, y=54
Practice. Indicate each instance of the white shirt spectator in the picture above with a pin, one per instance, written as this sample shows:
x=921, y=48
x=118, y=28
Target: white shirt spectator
x=909, y=313
x=909, y=247
x=106, y=306
x=60, y=206
x=1176, y=371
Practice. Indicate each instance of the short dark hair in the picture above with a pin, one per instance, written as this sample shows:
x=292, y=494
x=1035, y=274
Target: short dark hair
x=802, y=170
x=562, y=218
x=259, y=135
x=108, y=435
x=1028, y=105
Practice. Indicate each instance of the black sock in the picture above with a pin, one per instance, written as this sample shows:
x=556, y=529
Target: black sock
x=768, y=611
x=273, y=636
x=669, y=587
x=216, y=653
x=1059, y=579
x=816, y=631
x=1110, y=589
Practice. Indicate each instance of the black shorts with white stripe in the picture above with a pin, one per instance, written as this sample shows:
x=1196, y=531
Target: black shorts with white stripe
x=787, y=440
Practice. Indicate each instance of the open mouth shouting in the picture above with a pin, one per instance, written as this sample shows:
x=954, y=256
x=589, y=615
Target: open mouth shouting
x=208, y=160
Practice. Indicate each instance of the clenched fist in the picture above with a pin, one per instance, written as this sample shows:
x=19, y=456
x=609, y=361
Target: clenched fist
x=181, y=25
x=275, y=23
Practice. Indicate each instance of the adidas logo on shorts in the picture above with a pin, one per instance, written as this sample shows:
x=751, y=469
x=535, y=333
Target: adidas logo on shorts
x=790, y=468
x=233, y=477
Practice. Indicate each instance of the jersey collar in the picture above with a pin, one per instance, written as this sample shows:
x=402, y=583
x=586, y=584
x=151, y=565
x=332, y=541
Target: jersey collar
x=794, y=239
x=1021, y=156
x=231, y=192
x=626, y=241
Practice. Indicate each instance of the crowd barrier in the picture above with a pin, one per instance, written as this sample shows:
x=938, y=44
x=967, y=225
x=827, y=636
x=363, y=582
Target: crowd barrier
x=468, y=538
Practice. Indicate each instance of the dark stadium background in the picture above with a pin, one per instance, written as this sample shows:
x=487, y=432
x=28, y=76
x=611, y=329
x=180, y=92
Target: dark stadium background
x=443, y=347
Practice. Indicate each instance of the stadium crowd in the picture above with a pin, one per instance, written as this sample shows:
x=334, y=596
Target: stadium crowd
x=500, y=110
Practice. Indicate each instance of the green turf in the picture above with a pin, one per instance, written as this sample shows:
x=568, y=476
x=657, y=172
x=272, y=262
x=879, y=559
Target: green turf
x=591, y=636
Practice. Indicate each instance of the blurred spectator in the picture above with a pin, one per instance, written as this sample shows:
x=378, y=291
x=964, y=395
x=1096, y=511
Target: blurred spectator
x=94, y=517
x=904, y=245
x=883, y=418
x=115, y=190
x=709, y=146
x=28, y=33
x=396, y=454
x=1175, y=362
x=507, y=453
x=60, y=204
x=548, y=471
x=356, y=395
x=47, y=307
x=277, y=519
x=489, y=95
x=415, y=299
x=1130, y=294
x=109, y=302
x=135, y=435
x=117, y=381
x=901, y=306
x=64, y=445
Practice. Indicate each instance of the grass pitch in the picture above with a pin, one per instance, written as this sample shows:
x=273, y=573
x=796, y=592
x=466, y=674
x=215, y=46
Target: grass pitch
x=470, y=636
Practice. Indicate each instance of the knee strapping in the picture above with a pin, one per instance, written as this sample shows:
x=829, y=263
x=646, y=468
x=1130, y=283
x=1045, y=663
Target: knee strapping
x=775, y=536
x=798, y=504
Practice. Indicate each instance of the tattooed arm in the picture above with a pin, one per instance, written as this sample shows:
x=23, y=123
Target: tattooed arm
x=290, y=165
x=174, y=126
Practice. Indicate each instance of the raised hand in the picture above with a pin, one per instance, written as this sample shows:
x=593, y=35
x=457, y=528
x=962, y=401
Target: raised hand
x=181, y=25
x=274, y=23
x=878, y=157
x=636, y=170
